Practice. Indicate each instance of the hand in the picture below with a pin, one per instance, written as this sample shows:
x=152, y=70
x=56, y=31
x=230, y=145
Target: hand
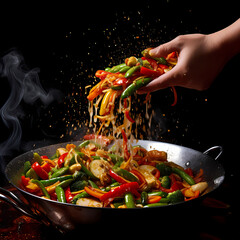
x=199, y=62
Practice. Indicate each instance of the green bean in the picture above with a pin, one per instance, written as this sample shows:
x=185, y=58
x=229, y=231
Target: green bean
x=60, y=172
x=132, y=88
x=80, y=195
x=51, y=181
x=129, y=200
x=117, y=68
x=159, y=204
x=40, y=185
x=83, y=144
x=60, y=194
x=144, y=198
x=124, y=69
x=159, y=193
x=131, y=71
x=183, y=175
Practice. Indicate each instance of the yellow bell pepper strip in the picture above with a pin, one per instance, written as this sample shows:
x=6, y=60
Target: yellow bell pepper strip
x=97, y=193
x=105, y=101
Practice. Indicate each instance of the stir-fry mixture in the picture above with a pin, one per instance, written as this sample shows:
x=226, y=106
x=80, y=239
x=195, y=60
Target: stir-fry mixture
x=90, y=175
x=121, y=82
x=123, y=176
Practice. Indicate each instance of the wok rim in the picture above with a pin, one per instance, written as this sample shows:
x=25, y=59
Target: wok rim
x=103, y=208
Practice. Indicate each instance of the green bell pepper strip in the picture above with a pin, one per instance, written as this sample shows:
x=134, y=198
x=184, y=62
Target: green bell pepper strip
x=51, y=181
x=129, y=200
x=131, y=71
x=83, y=144
x=65, y=183
x=93, y=184
x=126, y=174
x=183, y=175
x=132, y=88
x=60, y=194
x=60, y=172
x=40, y=185
x=31, y=174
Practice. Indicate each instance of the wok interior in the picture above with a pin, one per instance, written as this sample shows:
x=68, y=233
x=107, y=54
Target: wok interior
x=185, y=157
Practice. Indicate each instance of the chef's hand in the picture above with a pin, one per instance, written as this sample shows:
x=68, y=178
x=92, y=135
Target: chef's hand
x=201, y=58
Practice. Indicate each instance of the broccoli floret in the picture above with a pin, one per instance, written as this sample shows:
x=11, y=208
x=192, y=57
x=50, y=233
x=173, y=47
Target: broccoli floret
x=175, y=197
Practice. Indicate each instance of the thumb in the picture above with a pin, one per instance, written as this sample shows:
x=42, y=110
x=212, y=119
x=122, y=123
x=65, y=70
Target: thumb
x=164, y=49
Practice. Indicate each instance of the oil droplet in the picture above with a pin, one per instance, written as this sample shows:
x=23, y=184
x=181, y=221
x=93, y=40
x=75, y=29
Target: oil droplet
x=187, y=164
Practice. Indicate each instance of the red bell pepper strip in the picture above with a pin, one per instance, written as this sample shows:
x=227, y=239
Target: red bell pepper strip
x=101, y=74
x=40, y=171
x=120, y=190
x=175, y=96
x=102, y=139
x=128, y=116
x=154, y=199
x=46, y=166
x=25, y=180
x=141, y=178
x=125, y=149
x=122, y=81
x=152, y=62
x=61, y=159
x=68, y=195
x=116, y=177
x=149, y=73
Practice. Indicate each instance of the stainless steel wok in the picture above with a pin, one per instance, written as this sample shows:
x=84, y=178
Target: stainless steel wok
x=66, y=217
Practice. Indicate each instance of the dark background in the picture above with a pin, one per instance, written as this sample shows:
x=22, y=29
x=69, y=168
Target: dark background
x=69, y=42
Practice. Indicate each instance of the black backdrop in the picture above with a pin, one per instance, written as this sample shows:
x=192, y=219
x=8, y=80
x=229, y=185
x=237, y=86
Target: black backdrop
x=69, y=42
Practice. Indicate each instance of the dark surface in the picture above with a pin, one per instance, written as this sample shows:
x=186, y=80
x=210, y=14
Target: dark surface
x=69, y=43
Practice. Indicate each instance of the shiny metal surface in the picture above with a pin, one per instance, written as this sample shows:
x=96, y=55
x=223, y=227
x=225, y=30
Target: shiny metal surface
x=67, y=217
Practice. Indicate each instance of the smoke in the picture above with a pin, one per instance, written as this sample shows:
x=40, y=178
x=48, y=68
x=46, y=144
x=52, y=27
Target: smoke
x=25, y=87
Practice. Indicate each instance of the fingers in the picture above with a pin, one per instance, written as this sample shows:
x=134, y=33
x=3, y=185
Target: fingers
x=164, y=49
x=166, y=80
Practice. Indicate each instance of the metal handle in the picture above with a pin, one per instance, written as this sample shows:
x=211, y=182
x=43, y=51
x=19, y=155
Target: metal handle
x=219, y=148
x=17, y=203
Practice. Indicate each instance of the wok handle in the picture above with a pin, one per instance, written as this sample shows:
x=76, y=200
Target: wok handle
x=215, y=148
x=17, y=203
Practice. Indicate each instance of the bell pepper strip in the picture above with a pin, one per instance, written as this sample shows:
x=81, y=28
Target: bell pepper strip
x=61, y=160
x=126, y=174
x=196, y=195
x=37, y=158
x=150, y=73
x=46, y=166
x=102, y=139
x=128, y=116
x=141, y=178
x=105, y=101
x=120, y=83
x=152, y=62
x=101, y=74
x=39, y=171
x=125, y=148
x=122, y=189
x=94, y=192
x=116, y=177
x=25, y=180
x=175, y=96
x=154, y=199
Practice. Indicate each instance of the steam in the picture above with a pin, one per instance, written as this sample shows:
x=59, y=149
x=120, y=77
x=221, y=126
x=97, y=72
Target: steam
x=25, y=86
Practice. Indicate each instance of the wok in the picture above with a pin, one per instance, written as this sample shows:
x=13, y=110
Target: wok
x=66, y=217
